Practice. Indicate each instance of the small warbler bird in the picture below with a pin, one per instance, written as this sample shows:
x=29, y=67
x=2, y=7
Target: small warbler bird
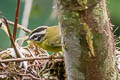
x=47, y=38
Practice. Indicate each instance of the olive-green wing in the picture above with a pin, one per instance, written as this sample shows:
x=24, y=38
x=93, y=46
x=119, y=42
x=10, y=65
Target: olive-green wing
x=54, y=42
x=53, y=37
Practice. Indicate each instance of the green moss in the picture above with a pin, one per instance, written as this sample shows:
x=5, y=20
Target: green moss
x=83, y=3
x=99, y=41
x=97, y=11
x=75, y=14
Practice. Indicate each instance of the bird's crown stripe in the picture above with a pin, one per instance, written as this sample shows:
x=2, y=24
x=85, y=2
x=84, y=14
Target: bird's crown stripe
x=39, y=29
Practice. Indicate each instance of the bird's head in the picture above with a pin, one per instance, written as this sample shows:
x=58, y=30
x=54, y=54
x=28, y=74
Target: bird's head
x=37, y=34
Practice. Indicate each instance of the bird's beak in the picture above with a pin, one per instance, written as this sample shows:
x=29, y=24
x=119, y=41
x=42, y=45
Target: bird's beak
x=27, y=39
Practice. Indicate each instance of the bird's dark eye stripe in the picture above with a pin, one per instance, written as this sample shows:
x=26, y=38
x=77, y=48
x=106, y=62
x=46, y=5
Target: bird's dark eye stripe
x=39, y=30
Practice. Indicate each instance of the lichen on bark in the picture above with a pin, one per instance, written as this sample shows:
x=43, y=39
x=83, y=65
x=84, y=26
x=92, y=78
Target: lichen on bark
x=85, y=29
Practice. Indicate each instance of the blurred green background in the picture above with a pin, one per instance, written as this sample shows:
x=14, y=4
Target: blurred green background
x=40, y=15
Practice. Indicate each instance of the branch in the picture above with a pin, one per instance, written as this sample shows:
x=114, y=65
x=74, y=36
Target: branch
x=25, y=18
x=28, y=59
x=11, y=38
x=19, y=26
x=89, y=45
x=16, y=20
x=13, y=73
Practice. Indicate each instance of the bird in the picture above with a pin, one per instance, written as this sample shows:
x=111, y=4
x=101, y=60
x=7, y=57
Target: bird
x=48, y=38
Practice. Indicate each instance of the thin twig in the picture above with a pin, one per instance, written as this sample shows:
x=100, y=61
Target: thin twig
x=30, y=75
x=13, y=73
x=116, y=29
x=11, y=38
x=28, y=59
x=16, y=20
x=20, y=26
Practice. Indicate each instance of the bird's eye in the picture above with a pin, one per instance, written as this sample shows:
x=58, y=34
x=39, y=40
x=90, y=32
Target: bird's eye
x=35, y=36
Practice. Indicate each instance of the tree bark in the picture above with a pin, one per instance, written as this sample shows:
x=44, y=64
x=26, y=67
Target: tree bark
x=88, y=43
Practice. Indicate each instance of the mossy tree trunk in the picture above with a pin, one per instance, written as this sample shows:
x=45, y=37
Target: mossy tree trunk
x=88, y=43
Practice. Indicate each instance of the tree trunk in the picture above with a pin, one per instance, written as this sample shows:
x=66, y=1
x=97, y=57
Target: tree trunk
x=88, y=43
